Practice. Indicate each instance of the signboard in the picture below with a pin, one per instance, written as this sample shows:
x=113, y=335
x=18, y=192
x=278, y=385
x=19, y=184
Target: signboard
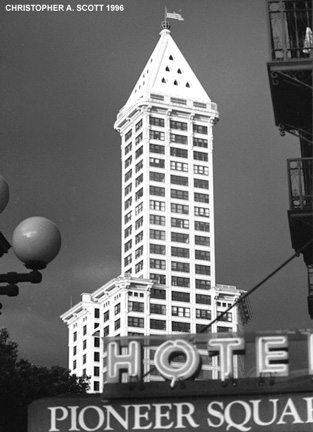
x=240, y=413
x=258, y=382
x=224, y=354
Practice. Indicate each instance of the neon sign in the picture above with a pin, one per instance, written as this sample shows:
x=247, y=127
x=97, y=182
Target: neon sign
x=271, y=353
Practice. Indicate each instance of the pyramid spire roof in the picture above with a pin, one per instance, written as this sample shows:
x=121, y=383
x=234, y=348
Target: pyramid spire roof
x=167, y=72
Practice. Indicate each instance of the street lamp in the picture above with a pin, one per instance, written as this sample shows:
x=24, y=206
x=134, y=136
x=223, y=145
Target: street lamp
x=36, y=241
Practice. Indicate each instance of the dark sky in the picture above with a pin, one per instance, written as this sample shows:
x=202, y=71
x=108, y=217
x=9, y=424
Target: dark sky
x=64, y=77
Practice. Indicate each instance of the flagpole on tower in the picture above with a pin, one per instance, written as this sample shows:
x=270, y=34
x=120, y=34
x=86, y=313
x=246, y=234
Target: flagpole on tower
x=165, y=24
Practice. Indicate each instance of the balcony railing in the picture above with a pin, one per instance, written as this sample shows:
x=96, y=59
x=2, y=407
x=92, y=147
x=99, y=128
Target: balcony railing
x=300, y=177
x=290, y=26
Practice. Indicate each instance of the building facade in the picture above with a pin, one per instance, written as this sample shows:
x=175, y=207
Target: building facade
x=167, y=283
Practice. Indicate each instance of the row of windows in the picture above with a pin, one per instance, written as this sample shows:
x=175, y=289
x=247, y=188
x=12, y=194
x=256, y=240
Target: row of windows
x=180, y=266
x=160, y=235
x=178, y=208
x=157, y=121
x=176, y=281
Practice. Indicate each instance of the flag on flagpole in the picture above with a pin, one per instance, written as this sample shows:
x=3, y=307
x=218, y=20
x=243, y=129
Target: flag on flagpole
x=174, y=15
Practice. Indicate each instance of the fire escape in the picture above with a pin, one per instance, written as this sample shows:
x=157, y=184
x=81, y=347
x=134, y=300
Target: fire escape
x=290, y=77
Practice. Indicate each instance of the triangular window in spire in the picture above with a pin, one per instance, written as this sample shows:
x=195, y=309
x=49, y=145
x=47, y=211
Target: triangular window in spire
x=164, y=80
x=175, y=82
x=171, y=57
x=179, y=71
x=167, y=69
x=187, y=84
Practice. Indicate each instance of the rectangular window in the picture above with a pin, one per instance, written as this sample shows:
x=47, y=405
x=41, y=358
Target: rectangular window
x=106, y=316
x=97, y=313
x=128, y=217
x=138, y=125
x=158, y=309
x=139, y=180
x=135, y=306
x=179, y=166
x=139, y=237
x=139, y=267
x=139, y=194
x=180, y=267
x=178, y=125
x=157, y=220
x=203, y=255
x=127, y=260
x=201, y=211
x=201, y=184
x=136, y=322
x=106, y=331
x=180, y=327
x=156, y=121
x=203, y=299
x=180, y=311
x=178, y=101
x=180, y=223
x=180, y=194
x=139, y=222
x=202, y=240
x=156, y=176
x=180, y=252
x=157, y=135
x=181, y=281
x=157, y=205
x=128, y=135
x=202, y=269
x=158, y=293
x=203, y=198
x=138, y=139
x=157, y=324
x=158, y=278
x=157, y=249
x=200, y=156
x=203, y=314
x=202, y=226
x=128, y=148
x=128, y=231
x=139, y=252
x=157, y=264
x=158, y=191
x=179, y=180
x=157, y=234
x=178, y=139
x=128, y=189
x=155, y=162
x=139, y=152
x=227, y=317
x=155, y=148
x=138, y=209
x=177, y=152
x=117, y=309
x=199, y=142
x=180, y=237
x=139, y=165
x=96, y=356
x=179, y=208
x=128, y=175
x=200, y=129
x=128, y=161
x=201, y=169
x=203, y=284
x=96, y=342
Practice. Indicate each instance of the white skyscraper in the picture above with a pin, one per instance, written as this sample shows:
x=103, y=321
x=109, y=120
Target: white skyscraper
x=167, y=281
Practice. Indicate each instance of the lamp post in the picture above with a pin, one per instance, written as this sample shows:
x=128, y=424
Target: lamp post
x=36, y=241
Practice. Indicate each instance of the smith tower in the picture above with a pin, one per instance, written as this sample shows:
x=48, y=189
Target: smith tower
x=167, y=173
x=167, y=282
